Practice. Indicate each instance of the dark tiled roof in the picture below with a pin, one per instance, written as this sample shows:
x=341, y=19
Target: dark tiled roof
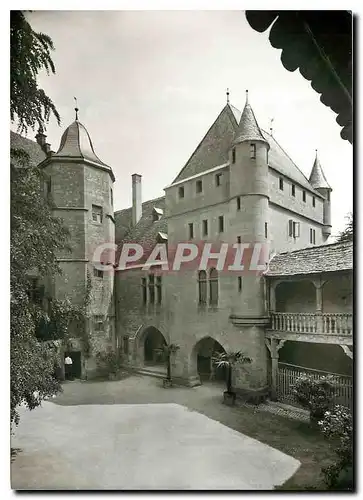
x=248, y=129
x=213, y=149
x=319, y=259
x=35, y=152
x=317, y=178
x=146, y=230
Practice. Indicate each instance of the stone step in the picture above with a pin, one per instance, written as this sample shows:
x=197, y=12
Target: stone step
x=150, y=373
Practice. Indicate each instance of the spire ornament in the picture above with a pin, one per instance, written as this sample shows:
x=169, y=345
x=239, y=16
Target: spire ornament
x=227, y=94
x=76, y=109
x=246, y=96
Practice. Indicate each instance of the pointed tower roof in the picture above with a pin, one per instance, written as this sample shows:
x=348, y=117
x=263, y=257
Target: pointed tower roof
x=317, y=177
x=76, y=143
x=248, y=129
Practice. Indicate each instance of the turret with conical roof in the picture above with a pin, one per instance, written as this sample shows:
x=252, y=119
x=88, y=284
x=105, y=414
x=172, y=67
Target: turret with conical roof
x=318, y=181
x=249, y=199
x=81, y=188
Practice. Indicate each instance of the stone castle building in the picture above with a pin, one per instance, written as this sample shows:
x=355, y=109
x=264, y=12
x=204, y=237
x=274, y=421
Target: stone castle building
x=239, y=185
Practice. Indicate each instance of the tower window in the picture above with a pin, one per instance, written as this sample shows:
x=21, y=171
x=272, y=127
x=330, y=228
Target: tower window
x=304, y=196
x=49, y=185
x=239, y=283
x=213, y=287
x=202, y=287
x=111, y=196
x=238, y=203
x=312, y=236
x=281, y=183
x=234, y=155
x=218, y=179
x=265, y=229
x=191, y=230
x=205, y=228
x=253, y=151
x=199, y=186
x=221, y=223
x=328, y=195
x=238, y=239
x=313, y=201
x=181, y=192
x=97, y=213
x=97, y=273
x=293, y=189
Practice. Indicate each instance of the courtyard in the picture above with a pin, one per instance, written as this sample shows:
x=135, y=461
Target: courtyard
x=133, y=434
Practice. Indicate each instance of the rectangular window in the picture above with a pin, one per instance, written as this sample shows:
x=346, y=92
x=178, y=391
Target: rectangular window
x=267, y=156
x=238, y=239
x=181, y=192
x=253, y=151
x=313, y=201
x=97, y=213
x=144, y=290
x=238, y=203
x=234, y=155
x=239, y=283
x=158, y=290
x=97, y=273
x=265, y=229
x=296, y=229
x=126, y=345
x=221, y=223
x=304, y=196
x=98, y=323
x=191, y=230
x=281, y=183
x=205, y=228
x=312, y=236
x=111, y=196
x=199, y=186
x=49, y=185
x=328, y=195
x=218, y=179
x=293, y=189
x=151, y=289
x=291, y=228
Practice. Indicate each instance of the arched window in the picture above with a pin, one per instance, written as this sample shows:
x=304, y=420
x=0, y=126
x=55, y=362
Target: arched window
x=202, y=283
x=213, y=287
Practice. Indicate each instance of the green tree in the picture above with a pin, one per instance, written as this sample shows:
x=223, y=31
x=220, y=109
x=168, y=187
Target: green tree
x=347, y=233
x=36, y=236
x=30, y=53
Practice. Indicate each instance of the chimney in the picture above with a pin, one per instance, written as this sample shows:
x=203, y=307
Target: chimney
x=136, y=199
x=40, y=137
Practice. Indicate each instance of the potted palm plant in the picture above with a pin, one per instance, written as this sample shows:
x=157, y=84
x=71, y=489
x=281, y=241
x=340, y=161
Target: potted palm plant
x=229, y=360
x=167, y=351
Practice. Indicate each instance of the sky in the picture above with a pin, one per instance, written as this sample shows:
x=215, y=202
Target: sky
x=149, y=84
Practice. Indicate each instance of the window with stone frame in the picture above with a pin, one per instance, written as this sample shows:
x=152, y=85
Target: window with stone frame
x=199, y=186
x=213, y=287
x=218, y=179
x=221, y=224
x=111, y=196
x=98, y=323
x=312, y=236
x=181, y=192
x=151, y=289
x=238, y=200
x=253, y=151
x=205, y=227
x=144, y=290
x=234, y=155
x=158, y=286
x=239, y=280
x=97, y=214
x=202, y=288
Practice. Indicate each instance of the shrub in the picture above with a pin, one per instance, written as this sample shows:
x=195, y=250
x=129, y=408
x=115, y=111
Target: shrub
x=315, y=395
x=337, y=425
x=108, y=361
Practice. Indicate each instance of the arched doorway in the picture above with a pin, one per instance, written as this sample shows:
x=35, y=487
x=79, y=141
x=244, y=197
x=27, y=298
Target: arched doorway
x=153, y=343
x=203, y=353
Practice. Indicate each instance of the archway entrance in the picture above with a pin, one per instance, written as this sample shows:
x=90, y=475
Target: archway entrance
x=153, y=342
x=204, y=352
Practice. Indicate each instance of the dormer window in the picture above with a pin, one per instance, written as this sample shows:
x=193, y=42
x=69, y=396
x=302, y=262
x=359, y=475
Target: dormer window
x=253, y=151
x=181, y=192
x=157, y=213
x=199, y=186
x=234, y=155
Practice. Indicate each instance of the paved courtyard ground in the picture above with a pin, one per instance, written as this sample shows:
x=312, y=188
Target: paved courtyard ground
x=133, y=434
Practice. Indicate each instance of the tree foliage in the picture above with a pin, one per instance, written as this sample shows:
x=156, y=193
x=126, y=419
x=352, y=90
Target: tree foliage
x=347, y=233
x=30, y=53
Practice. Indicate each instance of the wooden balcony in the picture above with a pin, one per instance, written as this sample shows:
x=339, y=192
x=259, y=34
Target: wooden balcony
x=315, y=327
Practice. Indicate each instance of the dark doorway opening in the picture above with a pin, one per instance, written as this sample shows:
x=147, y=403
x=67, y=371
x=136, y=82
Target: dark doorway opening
x=208, y=371
x=75, y=369
x=153, y=344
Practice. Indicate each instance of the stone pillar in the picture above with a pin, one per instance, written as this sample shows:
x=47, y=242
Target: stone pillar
x=274, y=345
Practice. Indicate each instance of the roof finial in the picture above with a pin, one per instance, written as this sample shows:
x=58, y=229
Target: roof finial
x=271, y=122
x=227, y=94
x=246, y=96
x=76, y=108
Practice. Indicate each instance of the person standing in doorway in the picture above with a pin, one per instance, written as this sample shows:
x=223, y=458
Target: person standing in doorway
x=68, y=367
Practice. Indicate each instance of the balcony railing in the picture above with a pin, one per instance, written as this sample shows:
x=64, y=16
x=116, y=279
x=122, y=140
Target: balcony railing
x=325, y=323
